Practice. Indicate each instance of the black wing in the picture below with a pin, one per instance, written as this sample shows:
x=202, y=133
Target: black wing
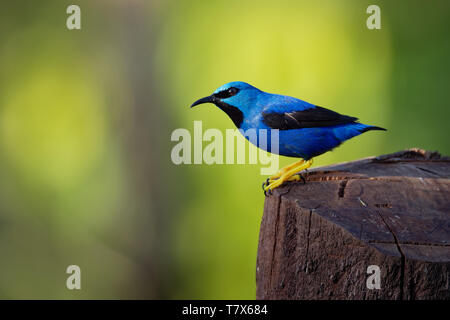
x=314, y=117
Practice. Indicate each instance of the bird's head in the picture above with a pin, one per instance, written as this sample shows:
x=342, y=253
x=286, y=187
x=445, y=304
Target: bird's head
x=234, y=98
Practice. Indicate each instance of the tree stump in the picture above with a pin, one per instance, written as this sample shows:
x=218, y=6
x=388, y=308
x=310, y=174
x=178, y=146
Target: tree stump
x=318, y=239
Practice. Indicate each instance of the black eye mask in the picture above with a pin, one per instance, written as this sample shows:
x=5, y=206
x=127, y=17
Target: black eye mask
x=226, y=93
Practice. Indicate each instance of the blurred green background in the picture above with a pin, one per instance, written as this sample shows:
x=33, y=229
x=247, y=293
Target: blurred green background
x=86, y=116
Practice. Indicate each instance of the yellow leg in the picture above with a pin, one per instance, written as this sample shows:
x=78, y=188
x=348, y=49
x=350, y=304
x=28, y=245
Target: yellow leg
x=285, y=169
x=288, y=174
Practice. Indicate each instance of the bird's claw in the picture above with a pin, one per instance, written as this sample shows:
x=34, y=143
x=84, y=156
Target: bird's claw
x=265, y=184
x=267, y=192
x=290, y=173
x=302, y=177
x=268, y=185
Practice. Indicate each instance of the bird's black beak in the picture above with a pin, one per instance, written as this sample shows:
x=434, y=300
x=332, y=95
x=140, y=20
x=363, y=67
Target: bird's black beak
x=209, y=99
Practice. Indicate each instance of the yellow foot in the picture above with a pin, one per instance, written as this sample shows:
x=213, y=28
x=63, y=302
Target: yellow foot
x=280, y=173
x=285, y=169
x=295, y=177
x=287, y=175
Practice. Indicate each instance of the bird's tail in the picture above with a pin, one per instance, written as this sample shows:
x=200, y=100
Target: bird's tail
x=351, y=130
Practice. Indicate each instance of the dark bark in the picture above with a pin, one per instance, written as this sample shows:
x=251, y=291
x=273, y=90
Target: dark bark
x=317, y=239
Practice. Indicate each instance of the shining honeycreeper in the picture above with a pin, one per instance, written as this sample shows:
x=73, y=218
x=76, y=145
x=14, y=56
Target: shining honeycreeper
x=305, y=130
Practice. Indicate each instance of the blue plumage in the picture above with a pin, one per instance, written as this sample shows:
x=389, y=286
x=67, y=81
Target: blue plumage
x=305, y=130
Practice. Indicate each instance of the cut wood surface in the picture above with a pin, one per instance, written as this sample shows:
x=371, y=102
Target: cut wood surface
x=393, y=211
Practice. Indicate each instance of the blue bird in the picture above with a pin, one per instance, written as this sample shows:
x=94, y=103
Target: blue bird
x=305, y=130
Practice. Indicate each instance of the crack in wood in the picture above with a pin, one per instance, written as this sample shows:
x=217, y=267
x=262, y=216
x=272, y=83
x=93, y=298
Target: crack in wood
x=341, y=191
x=344, y=178
x=275, y=240
x=410, y=243
x=429, y=171
x=307, y=241
x=402, y=255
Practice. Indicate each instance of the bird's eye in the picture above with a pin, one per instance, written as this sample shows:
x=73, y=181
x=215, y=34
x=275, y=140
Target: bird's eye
x=226, y=93
x=232, y=91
